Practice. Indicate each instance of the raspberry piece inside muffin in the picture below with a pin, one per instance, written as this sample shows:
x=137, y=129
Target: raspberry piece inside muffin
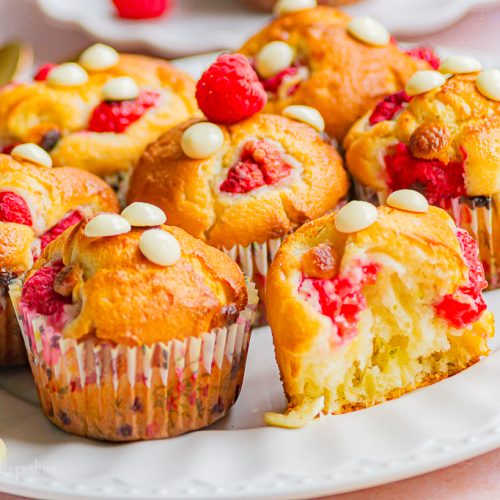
x=230, y=91
x=39, y=294
x=117, y=116
x=260, y=164
x=70, y=220
x=426, y=54
x=467, y=304
x=13, y=208
x=43, y=72
x=341, y=298
x=388, y=107
x=438, y=181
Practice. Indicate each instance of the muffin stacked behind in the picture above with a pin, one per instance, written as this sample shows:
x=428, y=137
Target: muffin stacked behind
x=242, y=186
x=443, y=139
x=37, y=203
x=99, y=114
x=322, y=58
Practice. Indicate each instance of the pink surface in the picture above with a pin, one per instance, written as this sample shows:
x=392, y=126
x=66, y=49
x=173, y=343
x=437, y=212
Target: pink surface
x=476, y=479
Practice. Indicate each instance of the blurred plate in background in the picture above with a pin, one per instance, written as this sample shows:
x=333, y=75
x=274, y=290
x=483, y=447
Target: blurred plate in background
x=197, y=26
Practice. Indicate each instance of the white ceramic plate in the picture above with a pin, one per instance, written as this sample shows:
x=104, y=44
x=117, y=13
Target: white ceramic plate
x=203, y=25
x=240, y=458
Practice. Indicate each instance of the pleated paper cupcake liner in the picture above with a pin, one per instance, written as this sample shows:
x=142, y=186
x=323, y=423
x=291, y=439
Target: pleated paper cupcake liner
x=255, y=260
x=121, y=393
x=12, y=351
x=479, y=215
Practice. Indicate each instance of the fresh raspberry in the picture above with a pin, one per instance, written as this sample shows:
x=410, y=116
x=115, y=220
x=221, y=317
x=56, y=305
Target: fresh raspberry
x=260, y=163
x=70, y=220
x=43, y=72
x=341, y=298
x=426, y=54
x=38, y=292
x=438, y=181
x=467, y=304
x=116, y=116
x=273, y=83
x=141, y=9
x=230, y=91
x=7, y=149
x=13, y=208
x=388, y=107
x=242, y=178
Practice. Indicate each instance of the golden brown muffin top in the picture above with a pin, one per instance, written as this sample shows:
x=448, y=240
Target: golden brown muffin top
x=121, y=296
x=189, y=192
x=345, y=76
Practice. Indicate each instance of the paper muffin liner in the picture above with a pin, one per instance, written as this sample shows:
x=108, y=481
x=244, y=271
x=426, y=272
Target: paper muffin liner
x=479, y=215
x=12, y=351
x=123, y=393
x=255, y=260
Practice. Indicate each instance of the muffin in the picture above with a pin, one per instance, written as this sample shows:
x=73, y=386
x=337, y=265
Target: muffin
x=37, y=203
x=97, y=114
x=442, y=140
x=134, y=332
x=322, y=58
x=245, y=179
x=367, y=304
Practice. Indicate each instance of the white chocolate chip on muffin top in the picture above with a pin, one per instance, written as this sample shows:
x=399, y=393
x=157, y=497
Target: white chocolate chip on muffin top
x=355, y=216
x=369, y=31
x=98, y=57
x=408, y=199
x=106, y=224
x=140, y=214
x=202, y=140
x=32, y=153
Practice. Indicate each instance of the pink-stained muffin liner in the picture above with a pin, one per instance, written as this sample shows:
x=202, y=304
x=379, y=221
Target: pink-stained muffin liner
x=255, y=260
x=123, y=393
x=12, y=351
x=479, y=215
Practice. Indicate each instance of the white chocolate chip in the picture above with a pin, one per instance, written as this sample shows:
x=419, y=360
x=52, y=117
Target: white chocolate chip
x=369, y=31
x=32, y=153
x=423, y=81
x=160, y=247
x=305, y=114
x=460, y=64
x=106, y=225
x=122, y=88
x=67, y=75
x=488, y=84
x=98, y=57
x=408, y=199
x=202, y=140
x=283, y=7
x=273, y=58
x=3, y=451
x=298, y=417
x=141, y=214
x=355, y=216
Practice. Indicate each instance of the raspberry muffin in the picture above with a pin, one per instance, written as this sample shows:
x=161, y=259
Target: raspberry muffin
x=241, y=186
x=368, y=304
x=37, y=203
x=135, y=330
x=322, y=58
x=441, y=137
x=97, y=114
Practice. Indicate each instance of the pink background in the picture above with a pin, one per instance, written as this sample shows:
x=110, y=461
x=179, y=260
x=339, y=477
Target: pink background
x=477, y=479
